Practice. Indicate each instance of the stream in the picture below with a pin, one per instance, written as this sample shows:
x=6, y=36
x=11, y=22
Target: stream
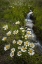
x=29, y=24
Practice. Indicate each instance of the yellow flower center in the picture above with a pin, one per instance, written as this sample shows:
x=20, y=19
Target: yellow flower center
x=26, y=36
x=29, y=33
x=26, y=43
x=30, y=51
x=7, y=47
x=24, y=48
x=19, y=52
x=12, y=53
x=5, y=38
x=19, y=42
x=31, y=44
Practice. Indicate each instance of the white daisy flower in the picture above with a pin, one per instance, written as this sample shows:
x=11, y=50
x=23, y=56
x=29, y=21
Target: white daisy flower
x=28, y=29
x=26, y=36
x=32, y=45
x=13, y=50
x=11, y=54
x=18, y=22
x=19, y=53
x=21, y=28
x=23, y=49
x=14, y=42
x=30, y=36
x=31, y=51
x=8, y=33
x=7, y=47
x=4, y=38
x=26, y=43
x=15, y=32
x=28, y=32
x=19, y=47
x=5, y=27
x=19, y=42
x=23, y=31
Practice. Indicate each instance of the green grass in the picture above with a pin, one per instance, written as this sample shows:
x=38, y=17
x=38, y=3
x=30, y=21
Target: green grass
x=38, y=22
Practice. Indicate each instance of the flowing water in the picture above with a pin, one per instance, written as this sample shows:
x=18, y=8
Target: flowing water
x=29, y=24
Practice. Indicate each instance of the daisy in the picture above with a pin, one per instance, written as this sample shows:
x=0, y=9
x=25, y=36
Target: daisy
x=23, y=49
x=13, y=50
x=26, y=36
x=30, y=36
x=11, y=54
x=15, y=32
x=23, y=31
x=21, y=28
x=32, y=45
x=4, y=38
x=28, y=28
x=31, y=51
x=14, y=42
x=18, y=22
x=5, y=27
x=19, y=47
x=19, y=53
x=19, y=42
x=28, y=32
x=26, y=43
x=8, y=33
x=7, y=47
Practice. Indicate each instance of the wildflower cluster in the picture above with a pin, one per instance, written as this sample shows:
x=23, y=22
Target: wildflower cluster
x=22, y=44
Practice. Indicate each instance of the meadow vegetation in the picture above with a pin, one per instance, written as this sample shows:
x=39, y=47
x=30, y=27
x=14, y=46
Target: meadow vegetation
x=10, y=14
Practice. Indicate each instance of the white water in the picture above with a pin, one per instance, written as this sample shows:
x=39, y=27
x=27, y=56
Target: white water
x=29, y=24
